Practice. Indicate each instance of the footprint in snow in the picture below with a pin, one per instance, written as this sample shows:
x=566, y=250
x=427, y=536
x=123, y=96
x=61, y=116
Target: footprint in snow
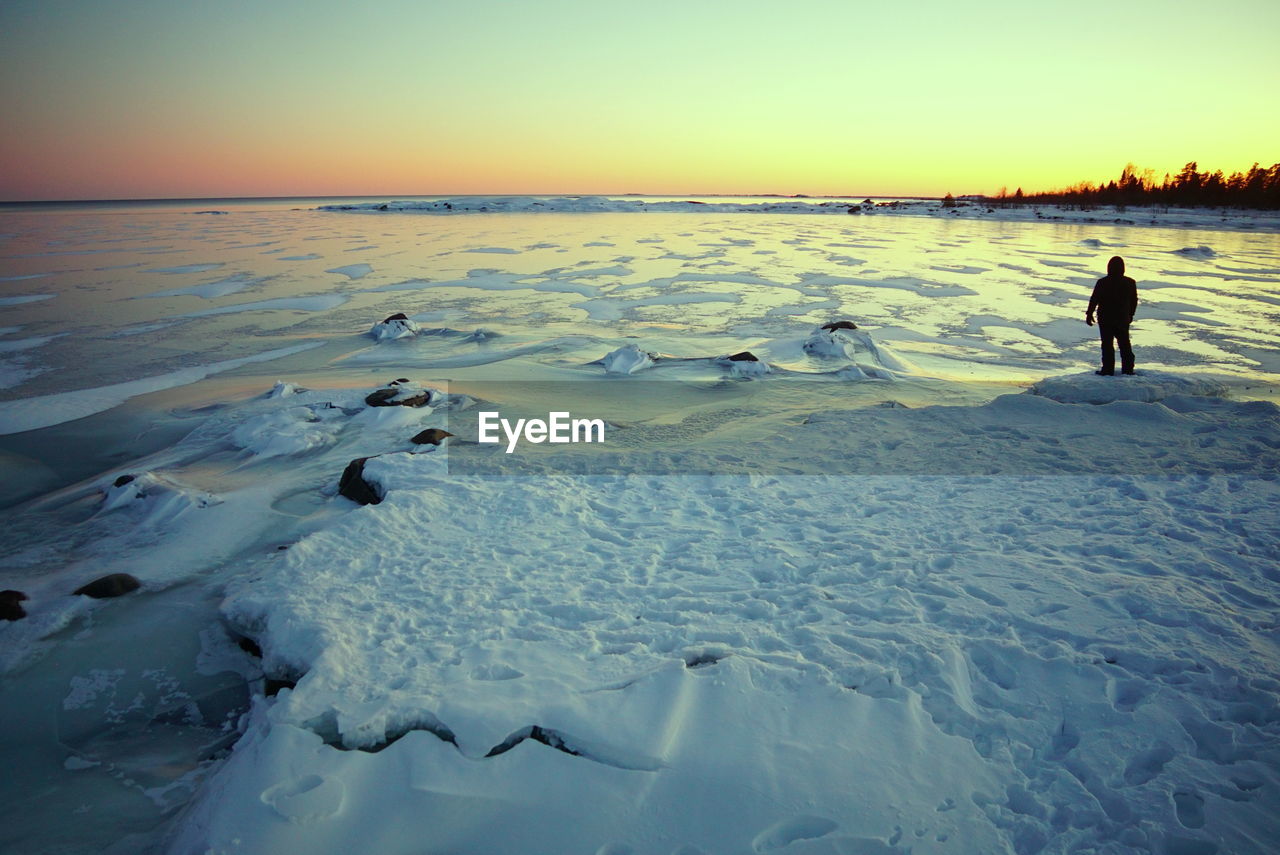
x=306, y=799
x=1190, y=808
x=788, y=831
x=1147, y=765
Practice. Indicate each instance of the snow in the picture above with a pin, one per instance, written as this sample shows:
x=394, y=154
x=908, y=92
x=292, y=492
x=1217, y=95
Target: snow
x=292, y=431
x=1146, y=385
x=925, y=586
x=394, y=328
x=153, y=499
x=627, y=359
x=870, y=660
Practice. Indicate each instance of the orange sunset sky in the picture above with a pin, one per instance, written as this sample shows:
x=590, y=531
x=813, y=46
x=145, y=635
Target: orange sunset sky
x=166, y=98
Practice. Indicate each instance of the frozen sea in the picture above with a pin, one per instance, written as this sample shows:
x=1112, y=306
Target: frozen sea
x=924, y=586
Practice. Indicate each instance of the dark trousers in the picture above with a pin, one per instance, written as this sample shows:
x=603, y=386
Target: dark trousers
x=1112, y=335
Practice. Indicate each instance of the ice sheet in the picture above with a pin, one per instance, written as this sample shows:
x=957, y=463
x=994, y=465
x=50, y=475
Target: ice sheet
x=40, y=412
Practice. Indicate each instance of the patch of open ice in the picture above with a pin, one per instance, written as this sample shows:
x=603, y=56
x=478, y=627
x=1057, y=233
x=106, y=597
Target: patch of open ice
x=40, y=412
x=353, y=271
x=17, y=369
x=25, y=298
x=319, y=303
x=230, y=285
x=14, y=345
x=188, y=268
x=1146, y=386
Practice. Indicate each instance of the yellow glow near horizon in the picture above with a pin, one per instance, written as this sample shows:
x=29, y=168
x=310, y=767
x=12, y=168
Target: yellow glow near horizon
x=145, y=98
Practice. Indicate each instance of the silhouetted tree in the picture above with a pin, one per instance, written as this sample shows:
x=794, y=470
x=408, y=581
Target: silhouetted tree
x=1257, y=188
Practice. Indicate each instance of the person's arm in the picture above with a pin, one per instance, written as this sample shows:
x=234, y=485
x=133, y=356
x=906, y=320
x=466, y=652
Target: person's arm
x=1133, y=299
x=1093, y=303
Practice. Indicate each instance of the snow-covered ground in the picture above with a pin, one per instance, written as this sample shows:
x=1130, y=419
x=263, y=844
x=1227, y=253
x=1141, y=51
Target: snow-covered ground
x=928, y=585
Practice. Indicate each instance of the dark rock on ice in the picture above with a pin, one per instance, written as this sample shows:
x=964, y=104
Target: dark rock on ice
x=113, y=585
x=122, y=480
x=398, y=316
x=354, y=487
x=839, y=325
x=248, y=645
x=380, y=397
x=271, y=686
x=9, y=608
x=744, y=356
x=430, y=436
x=392, y=396
x=398, y=381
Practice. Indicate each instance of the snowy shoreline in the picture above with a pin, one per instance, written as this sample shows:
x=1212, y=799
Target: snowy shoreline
x=759, y=663
x=961, y=209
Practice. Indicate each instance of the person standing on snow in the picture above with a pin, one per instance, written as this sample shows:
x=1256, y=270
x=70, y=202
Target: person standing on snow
x=1115, y=298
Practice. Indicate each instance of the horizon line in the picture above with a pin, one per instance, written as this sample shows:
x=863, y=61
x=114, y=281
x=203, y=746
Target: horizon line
x=454, y=195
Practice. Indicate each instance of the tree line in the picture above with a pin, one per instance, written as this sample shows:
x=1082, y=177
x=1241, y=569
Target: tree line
x=1259, y=187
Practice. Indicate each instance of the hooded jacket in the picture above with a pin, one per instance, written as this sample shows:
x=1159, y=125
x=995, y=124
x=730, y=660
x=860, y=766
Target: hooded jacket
x=1115, y=297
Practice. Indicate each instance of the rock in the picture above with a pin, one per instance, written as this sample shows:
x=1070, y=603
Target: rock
x=271, y=686
x=248, y=645
x=122, y=480
x=381, y=397
x=430, y=436
x=392, y=396
x=113, y=585
x=9, y=608
x=354, y=487
x=398, y=316
x=744, y=356
x=839, y=325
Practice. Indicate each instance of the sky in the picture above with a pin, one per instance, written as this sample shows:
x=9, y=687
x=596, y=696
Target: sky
x=116, y=99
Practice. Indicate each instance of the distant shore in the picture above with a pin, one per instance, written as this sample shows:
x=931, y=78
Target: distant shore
x=964, y=208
